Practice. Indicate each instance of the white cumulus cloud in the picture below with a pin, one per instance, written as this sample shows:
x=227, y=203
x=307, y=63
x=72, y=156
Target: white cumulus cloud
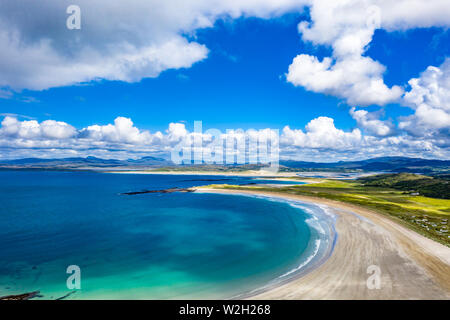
x=31, y=129
x=348, y=27
x=357, y=79
x=320, y=140
x=369, y=122
x=430, y=98
x=321, y=133
x=118, y=40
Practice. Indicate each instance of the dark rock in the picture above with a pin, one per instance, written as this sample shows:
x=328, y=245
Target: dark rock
x=170, y=190
x=23, y=296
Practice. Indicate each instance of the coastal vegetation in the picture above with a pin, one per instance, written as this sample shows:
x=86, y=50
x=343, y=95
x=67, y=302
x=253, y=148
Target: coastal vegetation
x=396, y=196
x=434, y=187
x=160, y=164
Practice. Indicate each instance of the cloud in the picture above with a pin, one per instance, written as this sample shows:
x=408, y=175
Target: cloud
x=348, y=27
x=369, y=122
x=430, y=98
x=117, y=41
x=41, y=67
x=146, y=37
x=176, y=132
x=121, y=139
x=32, y=130
x=321, y=133
x=356, y=79
x=122, y=131
x=320, y=140
x=5, y=94
x=56, y=130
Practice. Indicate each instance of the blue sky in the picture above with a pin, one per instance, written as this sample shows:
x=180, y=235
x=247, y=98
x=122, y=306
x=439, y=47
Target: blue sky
x=242, y=83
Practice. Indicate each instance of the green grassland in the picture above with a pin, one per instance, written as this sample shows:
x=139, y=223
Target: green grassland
x=434, y=187
x=427, y=216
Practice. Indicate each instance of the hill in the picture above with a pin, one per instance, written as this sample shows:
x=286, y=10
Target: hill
x=411, y=183
x=390, y=164
x=383, y=164
x=82, y=163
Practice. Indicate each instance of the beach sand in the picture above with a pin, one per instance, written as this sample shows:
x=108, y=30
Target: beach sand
x=412, y=266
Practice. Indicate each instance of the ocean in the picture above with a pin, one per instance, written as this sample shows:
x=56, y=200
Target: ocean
x=148, y=246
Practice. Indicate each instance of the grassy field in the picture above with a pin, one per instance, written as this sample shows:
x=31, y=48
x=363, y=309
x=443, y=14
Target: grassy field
x=427, y=216
x=434, y=187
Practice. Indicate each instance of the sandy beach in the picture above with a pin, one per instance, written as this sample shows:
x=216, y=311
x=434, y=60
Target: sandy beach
x=412, y=266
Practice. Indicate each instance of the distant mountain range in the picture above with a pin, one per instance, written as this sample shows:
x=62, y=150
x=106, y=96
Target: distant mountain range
x=79, y=163
x=389, y=164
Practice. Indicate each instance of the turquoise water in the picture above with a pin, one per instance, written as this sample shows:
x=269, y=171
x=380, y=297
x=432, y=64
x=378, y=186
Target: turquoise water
x=147, y=246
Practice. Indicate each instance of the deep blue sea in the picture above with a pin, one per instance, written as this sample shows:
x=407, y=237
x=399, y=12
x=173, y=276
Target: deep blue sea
x=146, y=246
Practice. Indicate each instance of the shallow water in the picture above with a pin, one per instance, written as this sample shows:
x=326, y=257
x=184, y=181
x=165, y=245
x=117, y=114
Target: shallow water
x=149, y=246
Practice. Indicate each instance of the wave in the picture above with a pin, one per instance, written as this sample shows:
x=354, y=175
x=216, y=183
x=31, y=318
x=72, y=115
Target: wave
x=321, y=221
x=308, y=260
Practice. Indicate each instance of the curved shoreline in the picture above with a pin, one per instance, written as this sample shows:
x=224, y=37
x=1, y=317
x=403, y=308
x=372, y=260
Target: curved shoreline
x=412, y=266
x=321, y=252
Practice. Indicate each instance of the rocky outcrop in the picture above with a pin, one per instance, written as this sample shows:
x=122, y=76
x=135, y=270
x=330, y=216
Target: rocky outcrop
x=23, y=296
x=170, y=190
